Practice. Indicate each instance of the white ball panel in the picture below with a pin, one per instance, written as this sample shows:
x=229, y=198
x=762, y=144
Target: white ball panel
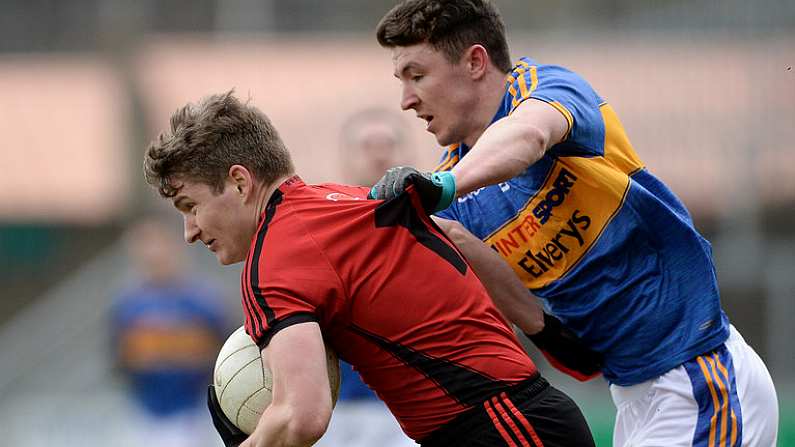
x=251, y=410
x=244, y=386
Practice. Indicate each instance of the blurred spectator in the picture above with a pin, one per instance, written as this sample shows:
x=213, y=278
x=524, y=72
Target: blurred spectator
x=166, y=329
x=373, y=140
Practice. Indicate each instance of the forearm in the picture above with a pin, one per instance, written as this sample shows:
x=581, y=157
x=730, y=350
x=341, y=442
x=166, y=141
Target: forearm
x=506, y=149
x=282, y=426
x=507, y=292
x=301, y=407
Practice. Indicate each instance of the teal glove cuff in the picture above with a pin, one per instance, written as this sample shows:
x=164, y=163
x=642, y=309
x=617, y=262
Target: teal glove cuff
x=446, y=180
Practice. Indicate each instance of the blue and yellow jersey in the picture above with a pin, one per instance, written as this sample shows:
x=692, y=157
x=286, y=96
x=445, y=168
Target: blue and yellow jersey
x=608, y=247
x=165, y=338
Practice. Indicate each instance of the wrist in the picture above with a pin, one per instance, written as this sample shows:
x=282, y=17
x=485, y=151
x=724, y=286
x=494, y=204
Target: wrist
x=446, y=180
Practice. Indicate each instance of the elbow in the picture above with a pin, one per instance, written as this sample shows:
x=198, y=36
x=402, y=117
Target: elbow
x=536, y=318
x=535, y=324
x=537, y=140
x=306, y=427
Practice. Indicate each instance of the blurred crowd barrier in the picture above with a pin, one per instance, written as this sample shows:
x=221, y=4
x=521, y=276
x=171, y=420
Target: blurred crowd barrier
x=712, y=116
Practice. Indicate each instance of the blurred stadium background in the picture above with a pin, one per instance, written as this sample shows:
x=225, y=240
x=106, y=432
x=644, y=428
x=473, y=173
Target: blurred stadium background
x=706, y=90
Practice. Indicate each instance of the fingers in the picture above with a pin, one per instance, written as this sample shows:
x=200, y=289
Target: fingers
x=387, y=187
x=393, y=183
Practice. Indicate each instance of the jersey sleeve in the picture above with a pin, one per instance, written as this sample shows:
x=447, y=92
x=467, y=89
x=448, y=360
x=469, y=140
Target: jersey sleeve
x=572, y=96
x=449, y=213
x=287, y=281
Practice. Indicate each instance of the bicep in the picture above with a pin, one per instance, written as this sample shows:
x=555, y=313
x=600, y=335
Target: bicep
x=543, y=120
x=296, y=357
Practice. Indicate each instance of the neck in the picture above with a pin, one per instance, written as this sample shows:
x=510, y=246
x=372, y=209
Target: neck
x=265, y=192
x=492, y=91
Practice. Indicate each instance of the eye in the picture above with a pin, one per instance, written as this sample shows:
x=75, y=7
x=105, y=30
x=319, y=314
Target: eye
x=417, y=77
x=188, y=208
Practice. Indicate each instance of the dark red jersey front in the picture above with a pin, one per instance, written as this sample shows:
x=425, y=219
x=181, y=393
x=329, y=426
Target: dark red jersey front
x=391, y=294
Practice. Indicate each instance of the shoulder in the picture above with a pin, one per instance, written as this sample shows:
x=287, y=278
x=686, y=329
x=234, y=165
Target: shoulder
x=548, y=82
x=309, y=220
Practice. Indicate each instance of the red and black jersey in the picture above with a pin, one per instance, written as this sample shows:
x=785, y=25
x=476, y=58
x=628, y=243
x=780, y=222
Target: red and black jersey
x=392, y=295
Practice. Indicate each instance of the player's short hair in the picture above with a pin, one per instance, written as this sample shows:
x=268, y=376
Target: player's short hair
x=449, y=26
x=207, y=138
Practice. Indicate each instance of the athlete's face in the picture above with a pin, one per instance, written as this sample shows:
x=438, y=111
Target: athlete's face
x=221, y=221
x=442, y=94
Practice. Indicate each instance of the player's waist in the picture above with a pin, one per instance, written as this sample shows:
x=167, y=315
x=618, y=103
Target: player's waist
x=471, y=420
x=644, y=368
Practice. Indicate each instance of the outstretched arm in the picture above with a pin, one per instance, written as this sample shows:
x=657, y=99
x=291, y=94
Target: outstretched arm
x=559, y=345
x=506, y=149
x=506, y=290
x=301, y=408
x=510, y=145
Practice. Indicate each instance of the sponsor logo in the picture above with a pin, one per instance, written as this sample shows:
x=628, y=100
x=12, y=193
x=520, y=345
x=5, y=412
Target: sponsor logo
x=337, y=196
x=504, y=187
x=561, y=222
x=541, y=261
x=556, y=196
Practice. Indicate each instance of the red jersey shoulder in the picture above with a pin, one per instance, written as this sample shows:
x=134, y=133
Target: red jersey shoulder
x=339, y=193
x=286, y=274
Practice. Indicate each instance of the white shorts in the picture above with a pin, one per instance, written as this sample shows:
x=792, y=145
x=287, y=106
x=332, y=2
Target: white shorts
x=719, y=399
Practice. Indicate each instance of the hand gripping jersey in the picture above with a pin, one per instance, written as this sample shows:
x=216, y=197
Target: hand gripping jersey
x=607, y=245
x=391, y=294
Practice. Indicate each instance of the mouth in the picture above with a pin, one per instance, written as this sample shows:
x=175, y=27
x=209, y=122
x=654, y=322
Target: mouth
x=209, y=244
x=428, y=119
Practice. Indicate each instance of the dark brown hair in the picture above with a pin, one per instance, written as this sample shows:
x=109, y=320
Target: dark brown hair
x=206, y=139
x=449, y=26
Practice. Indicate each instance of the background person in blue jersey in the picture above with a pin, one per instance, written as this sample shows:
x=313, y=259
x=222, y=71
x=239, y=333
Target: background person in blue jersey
x=541, y=170
x=166, y=329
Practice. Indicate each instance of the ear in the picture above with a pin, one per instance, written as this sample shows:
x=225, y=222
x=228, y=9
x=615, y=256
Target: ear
x=477, y=61
x=241, y=179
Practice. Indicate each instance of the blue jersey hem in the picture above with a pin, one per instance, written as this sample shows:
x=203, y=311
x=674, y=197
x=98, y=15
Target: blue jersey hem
x=669, y=363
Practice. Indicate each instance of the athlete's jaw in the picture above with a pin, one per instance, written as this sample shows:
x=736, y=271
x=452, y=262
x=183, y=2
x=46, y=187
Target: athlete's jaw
x=432, y=122
x=222, y=252
x=437, y=126
x=443, y=125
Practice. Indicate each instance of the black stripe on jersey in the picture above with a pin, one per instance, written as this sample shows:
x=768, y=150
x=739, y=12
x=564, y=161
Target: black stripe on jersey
x=256, y=321
x=276, y=326
x=270, y=210
x=466, y=386
x=399, y=211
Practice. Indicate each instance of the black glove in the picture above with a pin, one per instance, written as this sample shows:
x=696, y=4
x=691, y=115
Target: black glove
x=565, y=351
x=436, y=190
x=231, y=435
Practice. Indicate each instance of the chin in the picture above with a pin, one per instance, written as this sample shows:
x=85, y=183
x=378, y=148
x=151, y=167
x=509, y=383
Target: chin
x=444, y=140
x=225, y=259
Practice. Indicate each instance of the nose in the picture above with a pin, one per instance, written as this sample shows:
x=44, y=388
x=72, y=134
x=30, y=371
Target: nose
x=408, y=99
x=191, y=230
